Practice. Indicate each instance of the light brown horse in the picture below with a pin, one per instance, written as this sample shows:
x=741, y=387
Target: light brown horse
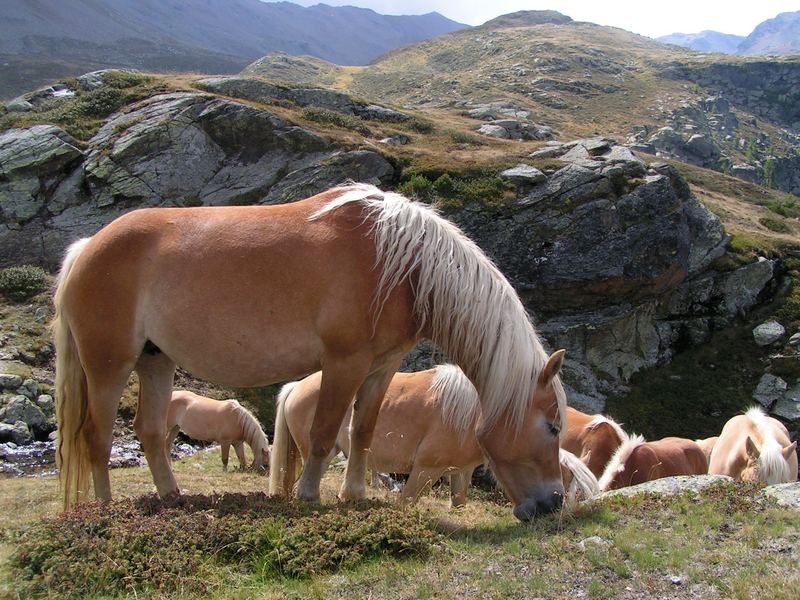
x=755, y=447
x=223, y=421
x=426, y=428
x=707, y=445
x=637, y=461
x=592, y=438
x=346, y=281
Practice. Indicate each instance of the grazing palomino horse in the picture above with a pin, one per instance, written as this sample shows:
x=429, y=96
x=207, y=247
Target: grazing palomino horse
x=426, y=428
x=592, y=438
x=707, y=445
x=637, y=461
x=755, y=447
x=346, y=281
x=223, y=421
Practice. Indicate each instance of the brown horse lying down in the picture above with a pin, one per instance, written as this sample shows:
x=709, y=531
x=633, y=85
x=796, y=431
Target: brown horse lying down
x=223, y=421
x=593, y=438
x=637, y=461
x=425, y=428
x=755, y=447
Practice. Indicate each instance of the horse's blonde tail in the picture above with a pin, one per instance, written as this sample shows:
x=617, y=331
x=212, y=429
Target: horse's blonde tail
x=72, y=456
x=284, y=454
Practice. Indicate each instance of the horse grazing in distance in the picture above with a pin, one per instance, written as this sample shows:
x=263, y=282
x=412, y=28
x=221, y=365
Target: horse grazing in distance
x=707, y=445
x=755, y=447
x=223, y=421
x=426, y=428
x=592, y=438
x=346, y=281
x=637, y=461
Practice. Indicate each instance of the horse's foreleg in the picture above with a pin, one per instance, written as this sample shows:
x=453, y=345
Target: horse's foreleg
x=365, y=414
x=239, y=448
x=156, y=373
x=226, y=449
x=341, y=380
x=459, y=485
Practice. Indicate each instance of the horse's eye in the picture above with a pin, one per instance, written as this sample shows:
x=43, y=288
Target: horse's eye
x=554, y=429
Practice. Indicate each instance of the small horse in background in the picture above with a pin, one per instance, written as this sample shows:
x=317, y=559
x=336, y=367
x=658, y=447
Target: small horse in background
x=707, y=445
x=426, y=428
x=755, y=447
x=592, y=438
x=637, y=461
x=223, y=421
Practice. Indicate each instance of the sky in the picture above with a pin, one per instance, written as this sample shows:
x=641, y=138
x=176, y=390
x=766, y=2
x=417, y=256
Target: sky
x=647, y=18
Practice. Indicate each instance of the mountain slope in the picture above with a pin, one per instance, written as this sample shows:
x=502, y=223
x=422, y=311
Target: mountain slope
x=200, y=35
x=705, y=41
x=780, y=35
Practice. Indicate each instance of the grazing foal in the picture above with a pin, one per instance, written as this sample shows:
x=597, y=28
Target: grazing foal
x=637, y=461
x=426, y=428
x=755, y=447
x=223, y=421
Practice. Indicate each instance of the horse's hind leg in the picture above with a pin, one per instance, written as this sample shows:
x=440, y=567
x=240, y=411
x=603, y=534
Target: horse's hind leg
x=365, y=414
x=170, y=441
x=98, y=429
x=341, y=379
x=239, y=449
x=419, y=480
x=156, y=373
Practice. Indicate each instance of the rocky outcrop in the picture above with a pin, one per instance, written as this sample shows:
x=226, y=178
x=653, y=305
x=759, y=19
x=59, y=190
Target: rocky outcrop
x=614, y=258
x=785, y=494
x=181, y=149
x=259, y=90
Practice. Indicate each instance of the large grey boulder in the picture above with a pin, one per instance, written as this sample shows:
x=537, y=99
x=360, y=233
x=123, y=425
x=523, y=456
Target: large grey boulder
x=785, y=494
x=22, y=409
x=768, y=333
x=18, y=433
x=769, y=390
x=671, y=486
x=523, y=175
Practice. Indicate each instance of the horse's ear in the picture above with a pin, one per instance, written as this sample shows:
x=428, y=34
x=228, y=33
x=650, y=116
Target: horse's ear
x=789, y=450
x=553, y=366
x=752, y=451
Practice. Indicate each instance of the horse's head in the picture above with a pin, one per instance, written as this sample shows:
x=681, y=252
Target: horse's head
x=261, y=460
x=754, y=469
x=526, y=461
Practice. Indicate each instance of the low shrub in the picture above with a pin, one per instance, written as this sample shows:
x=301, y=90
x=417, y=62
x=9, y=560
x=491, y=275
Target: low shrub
x=325, y=116
x=775, y=225
x=459, y=137
x=189, y=546
x=22, y=283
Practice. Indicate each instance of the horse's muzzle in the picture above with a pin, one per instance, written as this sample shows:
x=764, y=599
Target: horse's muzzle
x=532, y=508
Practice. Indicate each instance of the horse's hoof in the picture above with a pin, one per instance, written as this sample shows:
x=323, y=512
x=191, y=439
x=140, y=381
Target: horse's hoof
x=348, y=495
x=308, y=498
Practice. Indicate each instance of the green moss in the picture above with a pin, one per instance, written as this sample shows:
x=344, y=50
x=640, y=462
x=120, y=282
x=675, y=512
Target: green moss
x=743, y=244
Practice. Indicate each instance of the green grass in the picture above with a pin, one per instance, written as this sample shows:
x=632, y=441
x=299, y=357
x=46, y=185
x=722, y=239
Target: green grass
x=244, y=545
x=325, y=116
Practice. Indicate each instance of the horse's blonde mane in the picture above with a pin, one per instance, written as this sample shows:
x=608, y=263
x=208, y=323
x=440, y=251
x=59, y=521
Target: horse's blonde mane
x=253, y=434
x=457, y=398
x=773, y=468
x=460, y=296
x=584, y=483
x=617, y=461
x=599, y=419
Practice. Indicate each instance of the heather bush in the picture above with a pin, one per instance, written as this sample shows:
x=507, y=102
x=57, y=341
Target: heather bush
x=22, y=283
